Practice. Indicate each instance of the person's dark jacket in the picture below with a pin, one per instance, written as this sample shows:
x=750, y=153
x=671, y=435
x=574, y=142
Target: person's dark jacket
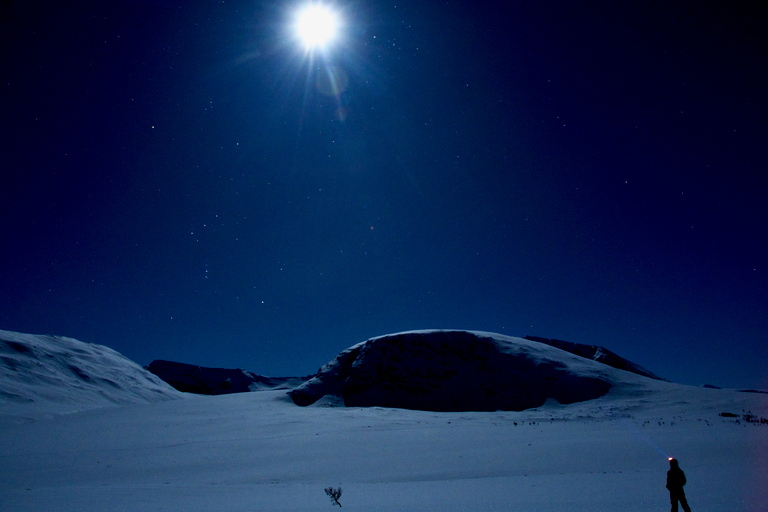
x=675, y=479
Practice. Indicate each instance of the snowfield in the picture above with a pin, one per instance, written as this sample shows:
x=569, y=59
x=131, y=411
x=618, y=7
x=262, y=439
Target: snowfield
x=260, y=452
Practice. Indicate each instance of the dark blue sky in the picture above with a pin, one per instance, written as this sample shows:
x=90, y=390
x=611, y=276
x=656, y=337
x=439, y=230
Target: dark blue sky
x=175, y=185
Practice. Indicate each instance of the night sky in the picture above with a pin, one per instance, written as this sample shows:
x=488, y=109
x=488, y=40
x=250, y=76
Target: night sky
x=179, y=180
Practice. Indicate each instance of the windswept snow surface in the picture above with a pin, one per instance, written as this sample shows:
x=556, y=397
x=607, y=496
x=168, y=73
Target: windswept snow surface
x=260, y=452
x=48, y=375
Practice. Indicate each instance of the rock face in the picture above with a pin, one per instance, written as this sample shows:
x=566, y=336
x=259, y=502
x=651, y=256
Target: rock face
x=598, y=353
x=216, y=381
x=453, y=371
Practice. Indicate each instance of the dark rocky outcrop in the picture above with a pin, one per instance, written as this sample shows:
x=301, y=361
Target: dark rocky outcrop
x=216, y=381
x=450, y=371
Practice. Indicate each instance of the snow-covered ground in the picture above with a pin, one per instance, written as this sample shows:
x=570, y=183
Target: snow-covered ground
x=260, y=452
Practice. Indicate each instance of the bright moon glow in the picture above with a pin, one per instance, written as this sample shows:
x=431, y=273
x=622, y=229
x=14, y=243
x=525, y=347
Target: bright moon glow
x=316, y=26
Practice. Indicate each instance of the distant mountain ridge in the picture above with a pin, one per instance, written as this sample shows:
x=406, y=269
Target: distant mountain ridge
x=216, y=381
x=597, y=353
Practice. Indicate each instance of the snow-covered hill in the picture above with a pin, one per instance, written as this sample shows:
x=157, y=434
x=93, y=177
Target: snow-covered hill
x=42, y=375
x=438, y=370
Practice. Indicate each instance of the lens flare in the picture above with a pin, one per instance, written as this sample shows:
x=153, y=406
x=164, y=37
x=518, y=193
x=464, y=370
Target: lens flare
x=316, y=26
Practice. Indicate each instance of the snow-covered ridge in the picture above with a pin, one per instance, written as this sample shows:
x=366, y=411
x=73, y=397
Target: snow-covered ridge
x=56, y=375
x=599, y=354
x=439, y=370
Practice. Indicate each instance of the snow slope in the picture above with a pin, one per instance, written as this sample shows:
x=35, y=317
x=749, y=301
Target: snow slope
x=597, y=353
x=44, y=375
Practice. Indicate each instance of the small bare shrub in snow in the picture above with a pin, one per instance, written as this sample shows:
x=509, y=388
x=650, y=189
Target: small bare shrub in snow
x=334, y=494
x=747, y=416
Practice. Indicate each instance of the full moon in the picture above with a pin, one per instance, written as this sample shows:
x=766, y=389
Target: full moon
x=316, y=26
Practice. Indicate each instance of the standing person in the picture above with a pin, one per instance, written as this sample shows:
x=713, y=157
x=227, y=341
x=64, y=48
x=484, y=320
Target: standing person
x=675, y=483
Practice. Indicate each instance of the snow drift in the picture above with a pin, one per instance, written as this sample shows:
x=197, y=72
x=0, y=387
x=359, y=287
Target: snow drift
x=63, y=375
x=457, y=371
